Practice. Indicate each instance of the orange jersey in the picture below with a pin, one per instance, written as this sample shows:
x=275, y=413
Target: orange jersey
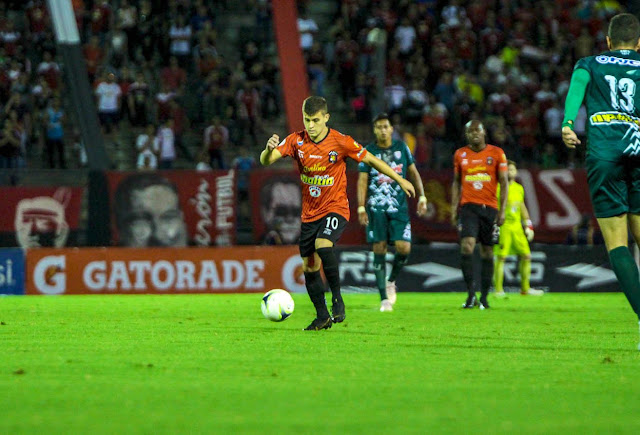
x=478, y=173
x=322, y=168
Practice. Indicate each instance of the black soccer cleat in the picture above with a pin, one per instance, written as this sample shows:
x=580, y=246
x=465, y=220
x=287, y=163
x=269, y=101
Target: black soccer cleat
x=470, y=302
x=338, y=311
x=319, y=324
x=484, y=304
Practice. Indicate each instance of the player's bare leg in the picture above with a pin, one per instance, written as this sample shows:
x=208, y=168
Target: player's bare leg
x=634, y=225
x=498, y=277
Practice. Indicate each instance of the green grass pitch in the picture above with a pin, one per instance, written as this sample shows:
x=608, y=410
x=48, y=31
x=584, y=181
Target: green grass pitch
x=561, y=364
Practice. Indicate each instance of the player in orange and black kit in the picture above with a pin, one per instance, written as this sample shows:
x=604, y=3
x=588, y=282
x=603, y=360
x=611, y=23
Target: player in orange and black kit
x=321, y=154
x=478, y=168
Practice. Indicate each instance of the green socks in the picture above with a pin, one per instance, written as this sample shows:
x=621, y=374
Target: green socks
x=626, y=271
x=380, y=270
x=399, y=261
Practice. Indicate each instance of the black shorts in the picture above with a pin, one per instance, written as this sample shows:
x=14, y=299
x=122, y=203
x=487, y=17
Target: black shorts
x=329, y=227
x=478, y=221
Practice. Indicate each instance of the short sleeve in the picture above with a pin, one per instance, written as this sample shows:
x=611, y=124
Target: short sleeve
x=286, y=146
x=582, y=64
x=409, y=156
x=353, y=149
x=502, y=161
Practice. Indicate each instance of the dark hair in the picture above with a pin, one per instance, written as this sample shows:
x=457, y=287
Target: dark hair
x=624, y=29
x=314, y=104
x=123, y=195
x=381, y=117
x=511, y=162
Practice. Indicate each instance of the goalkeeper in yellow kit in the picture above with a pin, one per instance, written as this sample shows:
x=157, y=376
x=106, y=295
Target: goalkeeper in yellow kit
x=515, y=235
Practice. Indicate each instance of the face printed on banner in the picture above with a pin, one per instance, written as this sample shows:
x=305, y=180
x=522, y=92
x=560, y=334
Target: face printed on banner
x=281, y=209
x=40, y=222
x=148, y=213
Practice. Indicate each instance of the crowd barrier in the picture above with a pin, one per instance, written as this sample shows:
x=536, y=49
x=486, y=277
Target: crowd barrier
x=256, y=269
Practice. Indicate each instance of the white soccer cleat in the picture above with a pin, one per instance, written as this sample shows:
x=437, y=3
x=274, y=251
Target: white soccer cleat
x=391, y=292
x=533, y=292
x=385, y=305
x=500, y=295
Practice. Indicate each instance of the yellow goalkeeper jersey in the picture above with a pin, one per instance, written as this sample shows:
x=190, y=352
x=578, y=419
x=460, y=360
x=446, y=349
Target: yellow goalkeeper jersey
x=513, y=214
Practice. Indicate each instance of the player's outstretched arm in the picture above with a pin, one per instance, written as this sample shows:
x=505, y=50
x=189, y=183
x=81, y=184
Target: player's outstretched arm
x=363, y=184
x=414, y=176
x=382, y=167
x=270, y=154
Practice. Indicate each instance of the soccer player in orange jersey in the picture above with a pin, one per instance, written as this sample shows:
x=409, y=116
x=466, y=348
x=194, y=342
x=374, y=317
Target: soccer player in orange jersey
x=321, y=154
x=478, y=168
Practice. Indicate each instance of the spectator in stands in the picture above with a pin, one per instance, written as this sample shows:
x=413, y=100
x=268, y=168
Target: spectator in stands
x=137, y=99
x=9, y=146
x=166, y=145
x=174, y=77
x=54, y=142
x=180, y=36
x=50, y=70
x=148, y=148
x=405, y=37
x=127, y=21
x=93, y=54
x=163, y=98
x=109, y=94
x=316, y=66
x=307, y=28
x=248, y=113
x=215, y=140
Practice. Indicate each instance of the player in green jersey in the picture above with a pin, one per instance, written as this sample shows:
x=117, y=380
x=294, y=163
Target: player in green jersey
x=386, y=213
x=609, y=84
x=515, y=234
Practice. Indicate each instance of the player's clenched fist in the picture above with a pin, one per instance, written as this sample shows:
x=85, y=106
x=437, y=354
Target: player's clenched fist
x=273, y=142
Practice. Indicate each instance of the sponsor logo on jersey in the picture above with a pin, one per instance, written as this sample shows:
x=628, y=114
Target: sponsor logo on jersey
x=314, y=168
x=464, y=162
x=317, y=180
x=464, y=154
x=476, y=169
x=301, y=154
x=313, y=156
x=300, y=142
x=617, y=60
x=477, y=177
x=333, y=156
x=603, y=118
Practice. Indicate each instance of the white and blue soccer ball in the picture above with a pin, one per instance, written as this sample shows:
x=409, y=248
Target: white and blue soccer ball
x=277, y=305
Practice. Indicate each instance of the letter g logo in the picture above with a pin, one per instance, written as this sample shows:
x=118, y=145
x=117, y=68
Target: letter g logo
x=49, y=275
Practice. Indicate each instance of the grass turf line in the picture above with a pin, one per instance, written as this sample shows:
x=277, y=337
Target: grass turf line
x=213, y=364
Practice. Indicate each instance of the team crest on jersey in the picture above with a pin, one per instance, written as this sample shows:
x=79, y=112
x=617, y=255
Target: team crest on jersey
x=397, y=154
x=300, y=142
x=315, y=191
x=489, y=161
x=333, y=156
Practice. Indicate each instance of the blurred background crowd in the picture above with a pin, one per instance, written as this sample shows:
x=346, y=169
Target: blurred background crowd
x=195, y=83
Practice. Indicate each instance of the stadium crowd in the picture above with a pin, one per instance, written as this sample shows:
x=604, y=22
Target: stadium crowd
x=159, y=76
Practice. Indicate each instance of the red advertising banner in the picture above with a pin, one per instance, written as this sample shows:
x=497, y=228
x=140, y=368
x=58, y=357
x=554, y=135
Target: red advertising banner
x=34, y=217
x=163, y=270
x=557, y=200
x=173, y=208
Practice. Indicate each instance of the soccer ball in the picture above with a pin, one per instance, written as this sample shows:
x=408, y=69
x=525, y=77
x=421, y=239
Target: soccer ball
x=277, y=305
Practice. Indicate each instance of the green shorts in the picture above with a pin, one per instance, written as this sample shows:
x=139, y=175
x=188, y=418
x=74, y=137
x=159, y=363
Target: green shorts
x=513, y=241
x=388, y=227
x=614, y=186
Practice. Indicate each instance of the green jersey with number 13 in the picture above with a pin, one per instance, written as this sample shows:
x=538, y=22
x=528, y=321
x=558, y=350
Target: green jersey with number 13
x=613, y=103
